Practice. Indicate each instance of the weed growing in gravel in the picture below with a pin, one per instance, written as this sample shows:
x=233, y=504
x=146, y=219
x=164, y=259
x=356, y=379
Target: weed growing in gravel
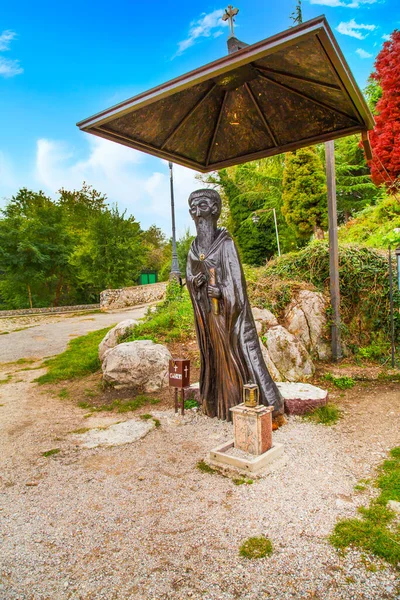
x=80, y=358
x=205, y=468
x=157, y=423
x=256, y=547
x=343, y=383
x=51, y=452
x=81, y=430
x=324, y=415
x=242, y=481
x=191, y=403
x=6, y=380
x=146, y=417
x=64, y=393
x=362, y=485
x=378, y=530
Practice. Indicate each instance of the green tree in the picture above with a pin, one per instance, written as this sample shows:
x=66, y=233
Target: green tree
x=304, y=193
x=156, y=246
x=112, y=253
x=35, y=247
x=354, y=186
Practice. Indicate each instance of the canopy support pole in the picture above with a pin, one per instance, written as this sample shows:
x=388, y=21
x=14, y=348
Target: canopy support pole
x=333, y=250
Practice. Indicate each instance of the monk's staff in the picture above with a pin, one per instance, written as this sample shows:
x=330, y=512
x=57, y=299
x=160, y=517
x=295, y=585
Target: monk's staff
x=214, y=301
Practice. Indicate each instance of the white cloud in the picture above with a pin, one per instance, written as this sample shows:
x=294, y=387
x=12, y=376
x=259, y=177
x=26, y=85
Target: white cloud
x=352, y=29
x=363, y=54
x=203, y=27
x=386, y=37
x=121, y=173
x=5, y=38
x=335, y=3
x=8, y=67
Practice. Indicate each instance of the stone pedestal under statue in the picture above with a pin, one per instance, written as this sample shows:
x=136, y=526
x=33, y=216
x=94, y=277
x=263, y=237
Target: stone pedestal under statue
x=252, y=428
x=252, y=449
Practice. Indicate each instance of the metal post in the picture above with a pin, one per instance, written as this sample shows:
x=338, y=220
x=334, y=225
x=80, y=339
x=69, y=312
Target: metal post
x=276, y=231
x=175, y=272
x=333, y=250
x=391, y=306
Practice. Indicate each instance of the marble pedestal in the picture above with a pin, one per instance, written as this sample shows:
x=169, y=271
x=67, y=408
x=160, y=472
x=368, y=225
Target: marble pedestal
x=251, y=450
x=252, y=428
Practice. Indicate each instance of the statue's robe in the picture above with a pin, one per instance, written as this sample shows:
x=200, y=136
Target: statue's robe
x=229, y=345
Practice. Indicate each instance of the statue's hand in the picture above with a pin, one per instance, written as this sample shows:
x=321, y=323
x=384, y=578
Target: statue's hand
x=199, y=280
x=213, y=291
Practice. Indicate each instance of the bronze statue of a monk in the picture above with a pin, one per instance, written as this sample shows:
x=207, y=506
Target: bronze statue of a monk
x=226, y=333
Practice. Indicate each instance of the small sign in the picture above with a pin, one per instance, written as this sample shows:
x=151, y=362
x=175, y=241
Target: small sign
x=179, y=373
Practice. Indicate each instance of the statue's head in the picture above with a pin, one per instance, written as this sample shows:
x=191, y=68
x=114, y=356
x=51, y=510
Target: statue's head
x=205, y=204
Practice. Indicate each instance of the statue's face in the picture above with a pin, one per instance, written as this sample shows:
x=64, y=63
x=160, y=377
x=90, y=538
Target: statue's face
x=202, y=208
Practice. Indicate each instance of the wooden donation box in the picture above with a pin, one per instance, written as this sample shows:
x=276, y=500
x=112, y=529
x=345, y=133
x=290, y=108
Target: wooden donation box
x=179, y=378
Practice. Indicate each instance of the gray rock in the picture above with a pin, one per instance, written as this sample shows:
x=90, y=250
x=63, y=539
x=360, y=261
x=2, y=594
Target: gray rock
x=265, y=317
x=116, y=435
x=112, y=337
x=299, y=398
x=141, y=365
x=273, y=371
x=288, y=354
x=306, y=319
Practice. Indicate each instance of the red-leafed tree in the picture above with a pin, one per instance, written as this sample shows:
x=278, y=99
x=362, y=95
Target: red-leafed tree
x=385, y=138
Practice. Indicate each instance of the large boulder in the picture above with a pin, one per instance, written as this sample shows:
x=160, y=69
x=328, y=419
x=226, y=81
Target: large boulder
x=114, y=335
x=305, y=317
x=264, y=318
x=288, y=354
x=140, y=365
x=273, y=371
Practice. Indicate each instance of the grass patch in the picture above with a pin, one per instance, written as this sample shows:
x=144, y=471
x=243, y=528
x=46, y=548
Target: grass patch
x=242, y=481
x=324, y=415
x=4, y=332
x=80, y=358
x=256, y=547
x=6, y=380
x=51, y=452
x=205, y=468
x=64, y=393
x=121, y=406
x=376, y=531
x=343, y=383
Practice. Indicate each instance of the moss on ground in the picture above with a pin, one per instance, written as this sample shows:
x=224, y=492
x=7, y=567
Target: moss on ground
x=256, y=547
x=377, y=531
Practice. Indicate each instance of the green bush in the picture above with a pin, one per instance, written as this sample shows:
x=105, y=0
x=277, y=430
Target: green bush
x=171, y=321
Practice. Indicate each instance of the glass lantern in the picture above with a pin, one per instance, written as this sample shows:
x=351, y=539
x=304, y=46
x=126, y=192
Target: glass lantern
x=251, y=395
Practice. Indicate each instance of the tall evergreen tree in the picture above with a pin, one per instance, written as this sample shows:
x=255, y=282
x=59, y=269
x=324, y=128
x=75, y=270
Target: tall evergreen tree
x=304, y=193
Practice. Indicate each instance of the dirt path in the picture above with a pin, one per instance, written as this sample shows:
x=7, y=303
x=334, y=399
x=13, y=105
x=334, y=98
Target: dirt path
x=141, y=521
x=45, y=336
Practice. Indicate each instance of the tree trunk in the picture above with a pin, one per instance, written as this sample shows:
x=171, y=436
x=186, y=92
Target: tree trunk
x=319, y=233
x=30, y=295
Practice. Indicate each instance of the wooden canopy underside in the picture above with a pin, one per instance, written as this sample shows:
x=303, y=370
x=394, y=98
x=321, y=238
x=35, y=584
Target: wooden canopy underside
x=286, y=92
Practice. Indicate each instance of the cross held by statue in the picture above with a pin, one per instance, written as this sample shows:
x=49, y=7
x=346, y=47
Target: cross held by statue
x=179, y=378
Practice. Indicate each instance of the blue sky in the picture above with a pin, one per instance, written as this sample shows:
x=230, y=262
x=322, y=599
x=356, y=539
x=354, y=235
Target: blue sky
x=62, y=62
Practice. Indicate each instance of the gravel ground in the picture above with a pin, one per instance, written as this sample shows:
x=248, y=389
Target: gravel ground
x=141, y=521
x=42, y=336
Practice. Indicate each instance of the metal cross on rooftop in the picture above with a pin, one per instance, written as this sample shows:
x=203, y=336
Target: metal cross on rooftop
x=229, y=15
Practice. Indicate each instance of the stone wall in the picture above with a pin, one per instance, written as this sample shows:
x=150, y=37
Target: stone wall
x=48, y=310
x=132, y=296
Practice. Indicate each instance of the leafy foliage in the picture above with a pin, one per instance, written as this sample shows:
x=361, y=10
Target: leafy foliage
x=376, y=226
x=385, y=138
x=364, y=286
x=304, y=193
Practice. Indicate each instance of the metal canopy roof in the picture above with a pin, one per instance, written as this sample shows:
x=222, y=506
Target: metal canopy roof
x=288, y=91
